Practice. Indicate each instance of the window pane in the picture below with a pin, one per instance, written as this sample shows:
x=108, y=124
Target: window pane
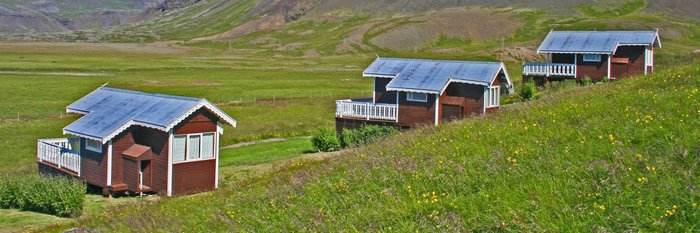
x=93, y=145
x=417, y=96
x=193, y=147
x=488, y=97
x=208, y=146
x=179, y=148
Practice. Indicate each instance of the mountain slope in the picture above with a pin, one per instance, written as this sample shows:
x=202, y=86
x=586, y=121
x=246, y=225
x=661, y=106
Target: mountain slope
x=144, y=20
x=594, y=158
x=46, y=16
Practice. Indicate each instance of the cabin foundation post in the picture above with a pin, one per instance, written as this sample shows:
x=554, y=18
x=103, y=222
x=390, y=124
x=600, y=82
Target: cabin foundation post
x=437, y=109
x=170, y=164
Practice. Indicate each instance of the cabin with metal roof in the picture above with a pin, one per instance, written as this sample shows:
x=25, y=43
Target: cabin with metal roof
x=130, y=141
x=594, y=54
x=411, y=92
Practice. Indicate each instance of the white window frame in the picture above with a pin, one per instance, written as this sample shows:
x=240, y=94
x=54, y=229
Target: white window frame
x=187, y=149
x=97, y=149
x=492, y=96
x=592, y=57
x=410, y=97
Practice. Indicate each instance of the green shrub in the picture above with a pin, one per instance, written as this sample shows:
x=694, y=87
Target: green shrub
x=325, y=139
x=529, y=90
x=606, y=79
x=364, y=135
x=586, y=81
x=52, y=195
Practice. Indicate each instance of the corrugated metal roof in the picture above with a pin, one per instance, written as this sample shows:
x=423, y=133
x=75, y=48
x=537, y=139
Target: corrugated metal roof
x=109, y=110
x=431, y=75
x=594, y=41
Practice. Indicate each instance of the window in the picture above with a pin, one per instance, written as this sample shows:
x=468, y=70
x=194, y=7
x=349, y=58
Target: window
x=591, y=57
x=93, y=145
x=208, y=146
x=179, y=145
x=193, y=147
x=492, y=96
x=417, y=97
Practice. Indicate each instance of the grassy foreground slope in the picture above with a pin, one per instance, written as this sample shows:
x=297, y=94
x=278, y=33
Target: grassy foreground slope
x=615, y=156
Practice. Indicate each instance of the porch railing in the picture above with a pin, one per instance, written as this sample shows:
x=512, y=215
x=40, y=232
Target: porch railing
x=549, y=69
x=365, y=109
x=59, y=152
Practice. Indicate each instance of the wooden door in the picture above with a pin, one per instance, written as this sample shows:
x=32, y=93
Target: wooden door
x=451, y=112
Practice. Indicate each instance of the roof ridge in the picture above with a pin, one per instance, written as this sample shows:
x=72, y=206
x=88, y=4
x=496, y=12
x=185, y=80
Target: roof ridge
x=609, y=31
x=441, y=60
x=150, y=94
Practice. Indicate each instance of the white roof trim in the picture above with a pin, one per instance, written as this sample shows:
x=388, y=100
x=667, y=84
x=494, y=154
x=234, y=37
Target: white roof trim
x=210, y=107
x=202, y=103
x=411, y=90
x=81, y=135
x=625, y=44
x=502, y=68
x=509, y=87
x=452, y=80
x=658, y=38
x=570, y=52
x=70, y=110
x=378, y=75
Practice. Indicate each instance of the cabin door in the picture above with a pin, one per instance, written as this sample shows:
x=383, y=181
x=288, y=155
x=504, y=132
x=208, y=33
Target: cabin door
x=451, y=112
x=145, y=174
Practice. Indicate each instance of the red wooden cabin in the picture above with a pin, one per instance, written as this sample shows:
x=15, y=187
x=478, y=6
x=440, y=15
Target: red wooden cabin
x=410, y=92
x=139, y=142
x=594, y=54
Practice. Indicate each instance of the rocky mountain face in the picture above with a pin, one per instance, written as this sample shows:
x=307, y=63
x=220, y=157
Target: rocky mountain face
x=49, y=16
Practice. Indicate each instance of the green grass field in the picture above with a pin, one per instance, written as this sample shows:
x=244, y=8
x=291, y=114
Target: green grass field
x=265, y=152
x=12, y=220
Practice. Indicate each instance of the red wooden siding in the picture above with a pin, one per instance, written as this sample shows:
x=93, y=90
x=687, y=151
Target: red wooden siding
x=119, y=145
x=635, y=64
x=469, y=96
x=131, y=174
x=595, y=70
x=158, y=155
x=381, y=95
x=199, y=121
x=416, y=113
x=93, y=165
x=191, y=177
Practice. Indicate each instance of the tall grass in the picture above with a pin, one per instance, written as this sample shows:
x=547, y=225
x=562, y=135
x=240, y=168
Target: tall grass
x=613, y=157
x=59, y=196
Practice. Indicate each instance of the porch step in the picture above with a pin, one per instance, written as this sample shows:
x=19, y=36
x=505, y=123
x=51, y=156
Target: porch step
x=118, y=187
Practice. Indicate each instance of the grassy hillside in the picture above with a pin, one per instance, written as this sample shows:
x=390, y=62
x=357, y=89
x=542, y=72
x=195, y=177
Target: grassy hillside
x=595, y=158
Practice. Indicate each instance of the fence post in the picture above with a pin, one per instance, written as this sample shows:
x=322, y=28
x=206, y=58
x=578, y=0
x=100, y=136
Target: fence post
x=367, y=110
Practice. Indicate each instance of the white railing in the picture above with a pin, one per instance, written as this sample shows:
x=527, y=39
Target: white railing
x=549, y=69
x=366, y=110
x=59, y=152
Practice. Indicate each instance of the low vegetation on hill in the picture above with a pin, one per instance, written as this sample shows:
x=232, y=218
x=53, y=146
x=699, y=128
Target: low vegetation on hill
x=594, y=158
